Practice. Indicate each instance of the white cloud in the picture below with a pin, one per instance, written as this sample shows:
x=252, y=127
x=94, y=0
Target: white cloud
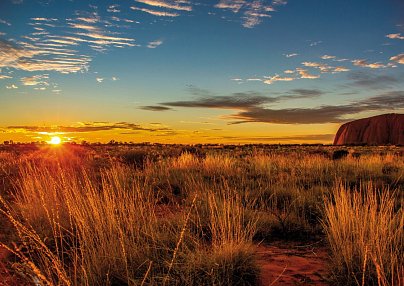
x=13, y=86
x=175, y=5
x=325, y=68
x=275, y=78
x=65, y=48
x=291, y=55
x=233, y=5
x=154, y=44
x=279, y=2
x=305, y=74
x=399, y=59
x=113, y=9
x=35, y=80
x=340, y=69
x=327, y=57
x=155, y=13
x=5, y=22
x=313, y=44
x=364, y=63
x=253, y=11
x=99, y=79
x=395, y=36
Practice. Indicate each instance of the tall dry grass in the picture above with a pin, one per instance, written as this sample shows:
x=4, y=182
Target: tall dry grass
x=366, y=235
x=188, y=219
x=76, y=230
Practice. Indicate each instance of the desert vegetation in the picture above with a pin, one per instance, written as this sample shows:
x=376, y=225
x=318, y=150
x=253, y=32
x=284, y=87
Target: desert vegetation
x=193, y=215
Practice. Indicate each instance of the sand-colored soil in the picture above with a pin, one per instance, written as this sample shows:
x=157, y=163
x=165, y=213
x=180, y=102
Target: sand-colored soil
x=291, y=264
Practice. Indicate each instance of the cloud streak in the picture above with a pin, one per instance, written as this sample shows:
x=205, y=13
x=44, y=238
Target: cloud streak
x=155, y=108
x=155, y=13
x=253, y=12
x=366, y=64
x=371, y=81
x=62, y=45
x=398, y=59
x=252, y=107
x=154, y=44
x=41, y=81
x=395, y=36
x=174, y=5
x=87, y=127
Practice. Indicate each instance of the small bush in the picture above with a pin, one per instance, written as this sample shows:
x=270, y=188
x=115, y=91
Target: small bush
x=339, y=154
x=135, y=158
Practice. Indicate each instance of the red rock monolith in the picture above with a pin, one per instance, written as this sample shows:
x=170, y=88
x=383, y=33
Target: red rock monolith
x=386, y=129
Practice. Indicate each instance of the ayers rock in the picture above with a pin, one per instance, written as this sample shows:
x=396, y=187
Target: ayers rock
x=377, y=130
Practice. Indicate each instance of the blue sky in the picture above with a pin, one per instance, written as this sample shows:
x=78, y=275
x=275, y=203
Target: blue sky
x=232, y=71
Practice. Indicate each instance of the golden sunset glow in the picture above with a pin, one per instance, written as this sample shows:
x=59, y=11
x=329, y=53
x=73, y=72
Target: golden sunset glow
x=55, y=140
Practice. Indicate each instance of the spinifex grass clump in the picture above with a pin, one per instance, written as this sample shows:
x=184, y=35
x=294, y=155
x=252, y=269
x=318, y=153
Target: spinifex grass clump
x=366, y=236
x=77, y=230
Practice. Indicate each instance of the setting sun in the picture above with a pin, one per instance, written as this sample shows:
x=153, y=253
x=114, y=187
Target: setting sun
x=55, y=140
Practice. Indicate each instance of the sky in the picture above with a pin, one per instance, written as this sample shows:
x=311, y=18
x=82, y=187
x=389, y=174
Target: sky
x=197, y=71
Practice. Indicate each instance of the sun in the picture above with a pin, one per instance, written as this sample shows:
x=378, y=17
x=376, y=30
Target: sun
x=55, y=140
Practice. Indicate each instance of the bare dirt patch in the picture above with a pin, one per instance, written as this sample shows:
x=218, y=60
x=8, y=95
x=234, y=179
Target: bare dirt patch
x=289, y=264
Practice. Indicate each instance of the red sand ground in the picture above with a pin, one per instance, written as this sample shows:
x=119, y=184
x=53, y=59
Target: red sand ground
x=288, y=264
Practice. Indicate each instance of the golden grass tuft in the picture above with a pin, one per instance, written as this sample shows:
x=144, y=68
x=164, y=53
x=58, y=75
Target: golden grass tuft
x=366, y=236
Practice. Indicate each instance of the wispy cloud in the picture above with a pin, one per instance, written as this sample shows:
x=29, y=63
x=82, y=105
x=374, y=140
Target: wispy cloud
x=305, y=74
x=398, y=59
x=325, y=68
x=291, y=55
x=366, y=64
x=113, y=8
x=233, y=5
x=85, y=127
x=253, y=12
x=12, y=86
x=5, y=22
x=62, y=45
x=175, y=5
x=327, y=57
x=154, y=44
x=299, y=138
x=241, y=100
x=313, y=44
x=155, y=13
x=322, y=114
x=235, y=101
x=99, y=79
x=275, y=78
x=372, y=81
x=304, y=93
x=395, y=36
x=253, y=107
x=155, y=108
x=40, y=80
